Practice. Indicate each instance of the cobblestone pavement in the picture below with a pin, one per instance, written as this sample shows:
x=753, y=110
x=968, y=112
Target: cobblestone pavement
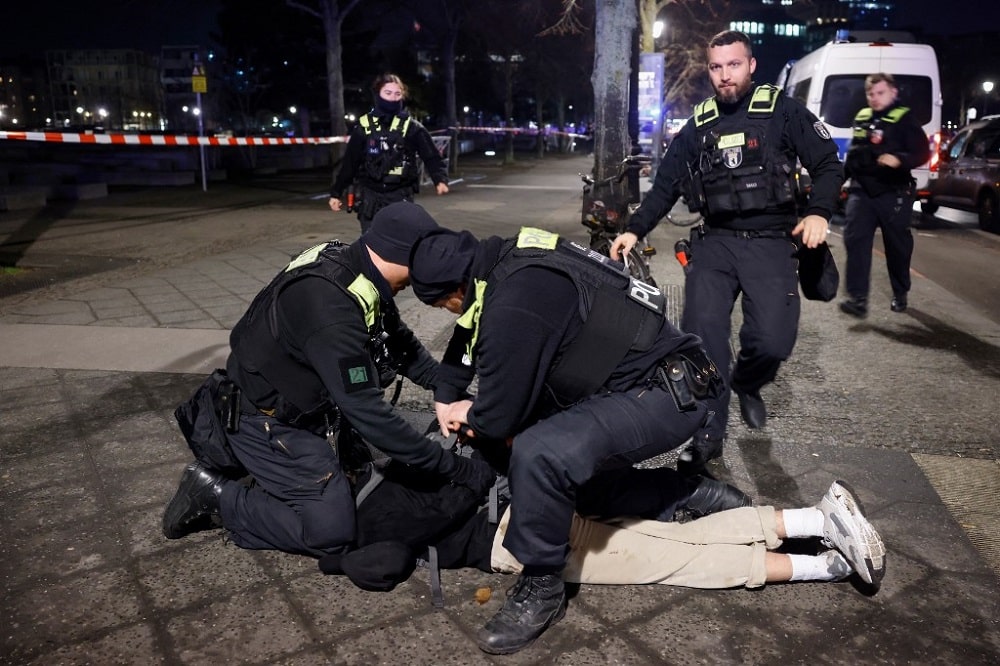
x=94, y=361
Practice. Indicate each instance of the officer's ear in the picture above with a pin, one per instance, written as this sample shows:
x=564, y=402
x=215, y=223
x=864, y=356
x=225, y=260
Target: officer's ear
x=753, y=64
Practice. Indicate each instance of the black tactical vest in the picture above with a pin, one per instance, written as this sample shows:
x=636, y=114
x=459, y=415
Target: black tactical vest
x=619, y=313
x=258, y=349
x=387, y=158
x=740, y=168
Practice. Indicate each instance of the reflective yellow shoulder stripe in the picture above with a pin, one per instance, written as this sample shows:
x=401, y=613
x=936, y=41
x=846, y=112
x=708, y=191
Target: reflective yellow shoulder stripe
x=537, y=238
x=395, y=123
x=366, y=123
x=706, y=112
x=307, y=257
x=764, y=99
x=366, y=294
x=897, y=113
x=864, y=115
x=470, y=318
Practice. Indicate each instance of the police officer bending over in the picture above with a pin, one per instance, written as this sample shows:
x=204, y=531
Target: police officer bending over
x=734, y=161
x=381, y=156
x=582, y=374
x=887, y=143
x=315, y=349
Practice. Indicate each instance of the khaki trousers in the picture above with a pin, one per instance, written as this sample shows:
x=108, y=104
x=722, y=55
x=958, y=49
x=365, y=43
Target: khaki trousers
x=725, y=549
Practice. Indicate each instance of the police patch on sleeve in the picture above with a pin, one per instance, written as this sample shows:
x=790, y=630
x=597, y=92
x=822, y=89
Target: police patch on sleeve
x=356, y=373
x=821, y=129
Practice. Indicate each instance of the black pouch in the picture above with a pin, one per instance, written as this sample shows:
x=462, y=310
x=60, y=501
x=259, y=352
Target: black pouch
x=201, y=423
x=818, y=274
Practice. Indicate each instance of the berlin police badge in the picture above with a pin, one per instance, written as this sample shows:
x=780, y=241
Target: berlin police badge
x=821, y=129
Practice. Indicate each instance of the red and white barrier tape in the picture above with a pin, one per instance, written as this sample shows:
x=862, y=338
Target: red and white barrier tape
x=120, y=139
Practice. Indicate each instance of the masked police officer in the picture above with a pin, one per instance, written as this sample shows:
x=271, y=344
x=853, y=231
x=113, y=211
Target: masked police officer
x=580, y=372
x=887, y=143
x=734, y=161
x=381, y=156
x=314, y=351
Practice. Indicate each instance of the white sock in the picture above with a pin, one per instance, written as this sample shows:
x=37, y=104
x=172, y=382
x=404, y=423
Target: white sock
x=811, y=567
x=802, y=523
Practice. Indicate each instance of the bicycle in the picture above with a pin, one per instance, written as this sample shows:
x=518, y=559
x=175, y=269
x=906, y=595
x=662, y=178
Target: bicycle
x=606, y=222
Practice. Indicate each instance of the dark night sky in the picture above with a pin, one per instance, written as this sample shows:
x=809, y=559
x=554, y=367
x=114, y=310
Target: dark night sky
x=149, y=24
x=139, y=24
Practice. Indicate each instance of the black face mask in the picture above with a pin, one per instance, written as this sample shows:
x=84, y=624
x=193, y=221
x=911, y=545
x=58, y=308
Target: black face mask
x=387, y=107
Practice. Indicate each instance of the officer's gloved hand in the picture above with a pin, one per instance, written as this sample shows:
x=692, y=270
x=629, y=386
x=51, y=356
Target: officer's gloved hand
x=476, y=475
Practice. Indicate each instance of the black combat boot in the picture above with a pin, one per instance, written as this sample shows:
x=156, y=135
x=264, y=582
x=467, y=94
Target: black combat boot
x=534, y=603
x=752, y=408
x=710, y=496
x=195, y=505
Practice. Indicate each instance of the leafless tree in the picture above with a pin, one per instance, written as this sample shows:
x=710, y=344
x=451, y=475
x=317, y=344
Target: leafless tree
x=332, y=14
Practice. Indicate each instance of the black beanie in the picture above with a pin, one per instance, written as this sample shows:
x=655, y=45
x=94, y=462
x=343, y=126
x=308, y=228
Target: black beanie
x=395, y=230
x=377, y=567
x=441, y=263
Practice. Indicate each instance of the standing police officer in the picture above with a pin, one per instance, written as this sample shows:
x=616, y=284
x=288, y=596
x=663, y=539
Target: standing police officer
x=316, y=348
x=734, y=161
x=582, y=375
x=886, y=144
x=381, y=156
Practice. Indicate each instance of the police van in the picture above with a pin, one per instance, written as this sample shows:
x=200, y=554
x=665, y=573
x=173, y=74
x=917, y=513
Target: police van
x=830, y=81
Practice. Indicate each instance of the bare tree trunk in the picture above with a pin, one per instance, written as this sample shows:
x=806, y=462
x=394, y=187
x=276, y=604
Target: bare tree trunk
x=508, y=108
x=614, y=30
x=332, y=20
x=540, y=122
x=450, y=103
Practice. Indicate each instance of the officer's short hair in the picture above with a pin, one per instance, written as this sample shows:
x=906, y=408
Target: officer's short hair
x=385, y=78
x=727, y=37
x=872, y=79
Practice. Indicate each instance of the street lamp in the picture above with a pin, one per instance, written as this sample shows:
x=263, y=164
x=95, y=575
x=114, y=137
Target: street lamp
x=987, y=88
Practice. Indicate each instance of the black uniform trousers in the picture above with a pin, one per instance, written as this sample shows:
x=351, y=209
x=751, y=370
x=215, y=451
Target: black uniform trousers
x=300, y=501
x=891, y=213
x=765, y=272
x=373, y=201
x=588, y=446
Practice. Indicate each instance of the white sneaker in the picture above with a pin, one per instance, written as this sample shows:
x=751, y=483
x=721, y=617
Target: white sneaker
x=847, y=530
x=836, y=566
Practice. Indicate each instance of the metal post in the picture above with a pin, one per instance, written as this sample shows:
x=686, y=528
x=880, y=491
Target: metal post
x=201, y=146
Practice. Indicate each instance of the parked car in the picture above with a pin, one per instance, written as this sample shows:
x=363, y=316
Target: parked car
x=968, y=174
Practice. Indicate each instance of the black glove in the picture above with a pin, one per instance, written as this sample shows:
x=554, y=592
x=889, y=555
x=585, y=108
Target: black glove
x=476, y=475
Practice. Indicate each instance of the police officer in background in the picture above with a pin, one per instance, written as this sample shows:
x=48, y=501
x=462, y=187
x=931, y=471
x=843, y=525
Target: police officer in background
x=315, y=350
x=734, y=162
x=887, y=143
x=582, y=375
x=380, y=162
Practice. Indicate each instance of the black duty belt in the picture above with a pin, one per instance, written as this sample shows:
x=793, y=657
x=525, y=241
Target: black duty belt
x=744, y=233
x=689, y=376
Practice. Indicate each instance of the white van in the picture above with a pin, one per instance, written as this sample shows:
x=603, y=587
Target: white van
x=830, y=81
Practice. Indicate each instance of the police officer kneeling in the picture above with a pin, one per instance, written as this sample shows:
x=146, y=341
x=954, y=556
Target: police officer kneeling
x=581, y=372
x=315, y=350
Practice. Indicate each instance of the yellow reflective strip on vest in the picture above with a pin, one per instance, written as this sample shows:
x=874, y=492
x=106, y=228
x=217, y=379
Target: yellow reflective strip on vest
x=764, y=99
x=366, y=295
x=863, y=115
x=470, y=318
x=307, y=257
x=732, y=140
x=537, y=238
x=706, y=111
x=897, y=113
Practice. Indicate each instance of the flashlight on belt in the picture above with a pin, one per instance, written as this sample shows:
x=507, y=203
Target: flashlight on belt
x=682, y=250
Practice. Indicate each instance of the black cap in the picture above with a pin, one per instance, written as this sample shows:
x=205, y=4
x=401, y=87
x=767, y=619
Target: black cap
x=440, y=263
x=377, y=567
x=396, y=229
